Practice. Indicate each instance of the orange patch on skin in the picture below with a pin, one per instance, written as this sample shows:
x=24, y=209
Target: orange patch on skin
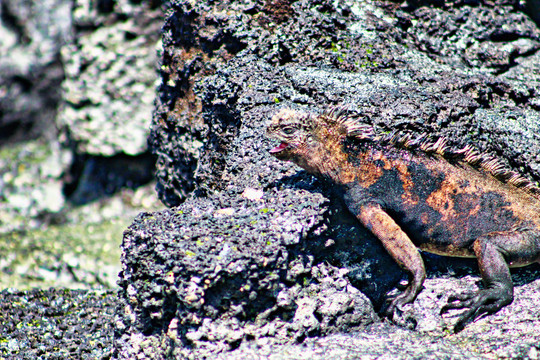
x=474, y=211
x=337, y=163
x=526, y=210
x=404, y=175
x=424, y=217
x=408, y=196
x=441, y=201
x=345, y=174
x=367, y=172
x=387, y=163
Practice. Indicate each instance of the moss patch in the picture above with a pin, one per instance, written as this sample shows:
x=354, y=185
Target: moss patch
x=73, y=256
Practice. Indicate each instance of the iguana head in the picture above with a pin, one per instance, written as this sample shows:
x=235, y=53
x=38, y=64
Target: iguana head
x=316, y=142
x=295, y=131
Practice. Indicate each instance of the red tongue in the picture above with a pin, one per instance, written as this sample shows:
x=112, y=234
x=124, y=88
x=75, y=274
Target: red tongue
x=279, y=148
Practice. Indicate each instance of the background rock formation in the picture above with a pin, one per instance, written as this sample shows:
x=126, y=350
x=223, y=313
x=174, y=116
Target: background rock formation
x=77, y=83
x=75, y=78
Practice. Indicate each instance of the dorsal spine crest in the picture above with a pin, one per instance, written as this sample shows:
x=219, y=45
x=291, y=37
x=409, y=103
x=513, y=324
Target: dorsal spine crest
x=356, y=130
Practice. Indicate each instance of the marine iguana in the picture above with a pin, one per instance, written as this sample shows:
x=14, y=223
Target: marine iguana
x=418, y=193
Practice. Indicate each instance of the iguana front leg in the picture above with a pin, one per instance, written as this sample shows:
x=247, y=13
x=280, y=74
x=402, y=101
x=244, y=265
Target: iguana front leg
x=399, y=246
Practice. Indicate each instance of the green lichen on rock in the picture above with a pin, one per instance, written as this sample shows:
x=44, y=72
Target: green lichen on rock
x=72, y=256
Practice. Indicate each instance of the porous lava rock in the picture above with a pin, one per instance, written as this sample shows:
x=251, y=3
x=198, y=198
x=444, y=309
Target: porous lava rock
x=56, y=324
x=255, y=249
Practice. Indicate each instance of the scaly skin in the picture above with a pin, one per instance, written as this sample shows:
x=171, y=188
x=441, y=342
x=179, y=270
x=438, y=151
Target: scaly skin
x=412, y=199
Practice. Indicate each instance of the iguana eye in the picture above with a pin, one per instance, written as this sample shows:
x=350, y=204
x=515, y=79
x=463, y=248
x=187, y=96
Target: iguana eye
x=288, y=130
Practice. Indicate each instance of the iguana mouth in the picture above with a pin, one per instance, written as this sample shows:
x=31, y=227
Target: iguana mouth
x=279, y=148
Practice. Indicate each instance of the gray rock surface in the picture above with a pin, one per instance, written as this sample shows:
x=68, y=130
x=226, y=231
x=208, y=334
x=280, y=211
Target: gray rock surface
x=109, y=93
x=109, y=88
x=31, y=73
x=56, y=324
x=260, y=256
x=77, y=86
x=509, y=334
x=473, y=56
x=30, y=183
x=229, y=268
